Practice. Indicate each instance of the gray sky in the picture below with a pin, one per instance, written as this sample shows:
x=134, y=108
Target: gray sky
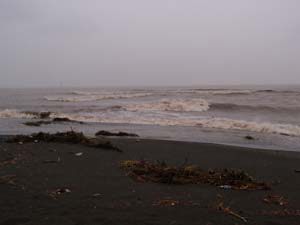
x=149, y=42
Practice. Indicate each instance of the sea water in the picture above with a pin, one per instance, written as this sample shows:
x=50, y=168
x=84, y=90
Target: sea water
x=220, y=114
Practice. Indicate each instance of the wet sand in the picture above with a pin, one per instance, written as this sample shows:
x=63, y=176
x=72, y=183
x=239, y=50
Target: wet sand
x=98, y=191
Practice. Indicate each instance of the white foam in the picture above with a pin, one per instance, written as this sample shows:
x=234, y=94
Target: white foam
x=13, y=113
x=230, y=124
x=177, y=105
x=150, y=119
x=95, y=97
x=222, y=92
x=84, y=93
x=68, y=99
x=217, y=123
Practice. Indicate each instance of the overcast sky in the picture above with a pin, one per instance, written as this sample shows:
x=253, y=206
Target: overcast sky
x=149, y=42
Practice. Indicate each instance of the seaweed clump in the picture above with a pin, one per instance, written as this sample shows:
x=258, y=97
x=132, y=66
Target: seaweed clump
x=248, y=137
x=276, y=200
x=53, y=121
x=119, y=134
x=64, y=137
x=37, y=123
x=160, y=172
x=8, y=179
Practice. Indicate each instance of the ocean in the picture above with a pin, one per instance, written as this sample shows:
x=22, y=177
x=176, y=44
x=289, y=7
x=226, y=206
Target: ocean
x=223, y=115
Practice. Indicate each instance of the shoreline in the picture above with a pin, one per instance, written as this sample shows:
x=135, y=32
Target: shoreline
x=173, y=133
x=53, y=185
x=238, y=147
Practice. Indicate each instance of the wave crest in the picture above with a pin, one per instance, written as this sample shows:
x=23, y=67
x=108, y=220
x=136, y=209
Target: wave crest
x=133, y=118
x=213, y=123
x=230, y=124
x=221, y=91
x=95, y=97
x=176, y=105
x=240, y=91
x=13, y=113
x=238, y=107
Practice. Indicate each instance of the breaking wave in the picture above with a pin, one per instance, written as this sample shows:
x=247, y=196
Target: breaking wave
x=176, y=105
x=216, y=123
x=133, y=118
x=237, y=107
x=238, y=91
x=222, y=91
x=13, y=113
x=230, y=124
x=95, y=97
x=278, y=91
x=84, y=93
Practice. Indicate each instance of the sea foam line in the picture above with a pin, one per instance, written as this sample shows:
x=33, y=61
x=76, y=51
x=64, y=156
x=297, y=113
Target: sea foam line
x=176, y=105
x=132, y=118
x=13, y=113
x=95, y=97
x=215, y=123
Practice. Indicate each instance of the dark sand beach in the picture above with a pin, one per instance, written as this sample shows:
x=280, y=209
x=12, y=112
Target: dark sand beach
x=149, y=112
x=95, y=190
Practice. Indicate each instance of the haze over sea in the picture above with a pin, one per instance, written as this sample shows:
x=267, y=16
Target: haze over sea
x=220, y=114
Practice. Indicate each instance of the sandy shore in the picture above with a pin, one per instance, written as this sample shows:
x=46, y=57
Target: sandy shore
x=97, y=191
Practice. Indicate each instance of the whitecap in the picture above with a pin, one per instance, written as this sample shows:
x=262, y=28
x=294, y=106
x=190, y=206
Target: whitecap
x=96, y=97
x=224, y=92
x=176, y=105
x=214, y=123
x=13, y=113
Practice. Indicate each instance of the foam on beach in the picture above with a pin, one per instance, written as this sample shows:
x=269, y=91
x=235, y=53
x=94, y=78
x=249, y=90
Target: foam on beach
x=127, y=118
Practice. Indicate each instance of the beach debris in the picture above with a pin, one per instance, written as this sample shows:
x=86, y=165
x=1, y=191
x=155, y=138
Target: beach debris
x=44, y=115
x=37, y=123
x=8, y=179
x=248, y=137
x=65, y=137
x=96, y=195
x=275, y=199
x=169, y=202
x=78, y=154
x=65, y=119
x=160, y=172
x=285, y=134
x=47, y=122
x=166, y=202
x=226, y=209
x=55, y=193
x=62, y=119
x=119, y=134
x=10, y=161
x=226, y=187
